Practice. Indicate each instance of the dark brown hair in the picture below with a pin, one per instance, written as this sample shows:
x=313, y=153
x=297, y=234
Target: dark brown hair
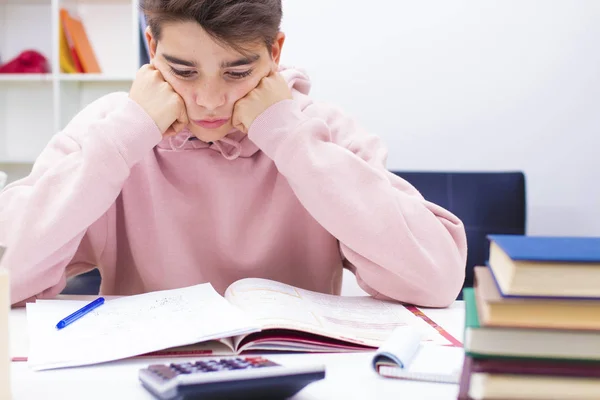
x=233, y=23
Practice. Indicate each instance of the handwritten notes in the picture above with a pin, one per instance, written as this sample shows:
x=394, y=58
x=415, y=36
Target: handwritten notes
x=362, y=319
x=130, y=326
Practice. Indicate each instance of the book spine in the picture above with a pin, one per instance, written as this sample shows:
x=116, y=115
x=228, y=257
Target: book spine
x=511, y=357
x=471, y=317
x=534, y=367
x=64, y=21
x=465, y=379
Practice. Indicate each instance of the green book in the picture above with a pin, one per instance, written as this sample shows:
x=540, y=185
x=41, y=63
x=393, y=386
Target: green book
x=524, y=343
x=471, y=316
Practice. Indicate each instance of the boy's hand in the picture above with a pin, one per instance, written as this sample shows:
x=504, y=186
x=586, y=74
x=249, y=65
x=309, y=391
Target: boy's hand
x=270, y=90
x=159, y=100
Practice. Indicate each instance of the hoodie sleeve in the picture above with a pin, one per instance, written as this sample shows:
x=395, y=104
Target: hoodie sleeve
x=44, y=217
x=399, y=245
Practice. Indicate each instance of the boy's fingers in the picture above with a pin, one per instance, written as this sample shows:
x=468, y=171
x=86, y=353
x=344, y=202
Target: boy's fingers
x=183, y=118
x=178, y=126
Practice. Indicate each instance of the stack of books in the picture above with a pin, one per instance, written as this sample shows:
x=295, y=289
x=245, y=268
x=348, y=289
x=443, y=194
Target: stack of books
x=532, y=326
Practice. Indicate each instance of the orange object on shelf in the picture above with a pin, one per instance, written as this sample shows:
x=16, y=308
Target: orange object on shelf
x=69, y=61
x=81, y=48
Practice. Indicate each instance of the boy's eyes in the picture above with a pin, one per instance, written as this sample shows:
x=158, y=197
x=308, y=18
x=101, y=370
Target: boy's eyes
x=239, y=75
x=230, y=74
x=183, y=74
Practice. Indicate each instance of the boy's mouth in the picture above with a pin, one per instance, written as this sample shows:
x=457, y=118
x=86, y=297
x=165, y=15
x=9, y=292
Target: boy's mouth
x=211, y=123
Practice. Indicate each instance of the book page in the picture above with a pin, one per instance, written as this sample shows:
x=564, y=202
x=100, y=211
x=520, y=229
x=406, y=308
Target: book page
x=220, y=347
x=362, y=320
x=130, y=326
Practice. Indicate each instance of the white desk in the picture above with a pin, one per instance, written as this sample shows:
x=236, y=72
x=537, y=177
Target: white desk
x=348, y=376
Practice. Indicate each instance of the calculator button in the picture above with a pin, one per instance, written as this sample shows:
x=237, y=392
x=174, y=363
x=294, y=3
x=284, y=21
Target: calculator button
x=259, y=362
x=214, y=365
x=163, y=371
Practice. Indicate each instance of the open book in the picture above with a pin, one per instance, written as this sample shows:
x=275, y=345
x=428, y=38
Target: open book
x=253, y=315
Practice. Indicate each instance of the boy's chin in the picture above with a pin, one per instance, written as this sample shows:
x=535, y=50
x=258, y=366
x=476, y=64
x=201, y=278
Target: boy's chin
x=210, y=135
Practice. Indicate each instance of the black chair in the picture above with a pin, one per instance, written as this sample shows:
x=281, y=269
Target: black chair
x=87, y=283
x=486, y=202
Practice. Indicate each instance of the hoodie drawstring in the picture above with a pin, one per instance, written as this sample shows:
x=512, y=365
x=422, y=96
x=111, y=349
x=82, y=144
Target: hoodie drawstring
x=175, y=147
x=178, y=142
x=235, y=153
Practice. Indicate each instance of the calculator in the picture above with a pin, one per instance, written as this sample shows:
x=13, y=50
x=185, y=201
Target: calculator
x=228, y=378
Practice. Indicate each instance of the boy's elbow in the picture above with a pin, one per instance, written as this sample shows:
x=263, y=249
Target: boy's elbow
x=448, y=277
x=435, y=282
x=444, y=291
x=429, y=276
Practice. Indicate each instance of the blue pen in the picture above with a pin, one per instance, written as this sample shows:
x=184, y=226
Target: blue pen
x=80, y=313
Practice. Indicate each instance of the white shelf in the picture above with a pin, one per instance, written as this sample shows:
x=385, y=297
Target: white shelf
x=24, y=2
x=25, y=77
x=94, y=78
x=34, y=107
x=65, y=77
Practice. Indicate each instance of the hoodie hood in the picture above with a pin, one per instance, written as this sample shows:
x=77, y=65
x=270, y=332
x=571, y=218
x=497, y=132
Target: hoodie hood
x=236, y=144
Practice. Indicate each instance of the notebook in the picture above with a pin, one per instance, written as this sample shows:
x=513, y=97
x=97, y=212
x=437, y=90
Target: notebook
x=254, y=314
x=405, y=355
x=546, y=266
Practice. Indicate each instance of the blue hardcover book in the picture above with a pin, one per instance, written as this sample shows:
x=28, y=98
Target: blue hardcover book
x=546, y=266
x=549, y=248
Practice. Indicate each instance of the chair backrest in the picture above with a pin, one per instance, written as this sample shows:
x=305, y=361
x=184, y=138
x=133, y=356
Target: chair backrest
x=486, y=202
x=86, y=283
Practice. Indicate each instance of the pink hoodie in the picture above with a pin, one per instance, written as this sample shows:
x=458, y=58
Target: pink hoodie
x=305, y=194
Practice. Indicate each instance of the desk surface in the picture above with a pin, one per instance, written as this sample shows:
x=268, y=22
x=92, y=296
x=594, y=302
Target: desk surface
x=348, y=376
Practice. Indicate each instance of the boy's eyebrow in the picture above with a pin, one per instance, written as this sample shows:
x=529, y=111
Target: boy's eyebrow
x=226, y=64
x=241, y=62
x=179, y=61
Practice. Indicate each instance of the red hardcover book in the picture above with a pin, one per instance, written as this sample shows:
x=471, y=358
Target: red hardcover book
x=465, y=379
x=537, y=367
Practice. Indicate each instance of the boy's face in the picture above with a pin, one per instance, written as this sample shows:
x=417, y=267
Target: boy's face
x=209, y=77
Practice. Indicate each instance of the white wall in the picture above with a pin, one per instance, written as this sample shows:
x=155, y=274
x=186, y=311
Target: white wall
x=469, y=85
